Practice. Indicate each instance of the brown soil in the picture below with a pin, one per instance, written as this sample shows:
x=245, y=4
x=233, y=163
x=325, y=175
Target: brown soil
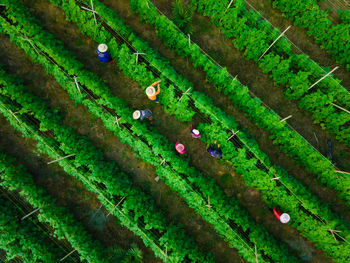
x=173, y=130
x=212, y=41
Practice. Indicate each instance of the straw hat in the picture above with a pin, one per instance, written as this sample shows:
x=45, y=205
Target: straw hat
x=136, y=115
x=102, y=48
x=150, y=91
x=284, y=218
x=195, y=132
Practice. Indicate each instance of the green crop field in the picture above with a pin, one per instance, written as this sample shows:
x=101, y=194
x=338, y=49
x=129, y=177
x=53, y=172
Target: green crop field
x=101, y=104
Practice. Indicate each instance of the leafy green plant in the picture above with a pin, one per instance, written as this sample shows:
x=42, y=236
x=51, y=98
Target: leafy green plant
x=183, y=14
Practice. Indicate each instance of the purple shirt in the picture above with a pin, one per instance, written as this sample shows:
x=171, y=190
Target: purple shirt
x=216, y=153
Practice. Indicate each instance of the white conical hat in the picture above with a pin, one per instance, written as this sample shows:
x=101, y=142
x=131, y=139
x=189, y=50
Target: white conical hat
x=150, y=91
x=195, y=131
x=102, y=48
x=136, y=115
x=284, y=218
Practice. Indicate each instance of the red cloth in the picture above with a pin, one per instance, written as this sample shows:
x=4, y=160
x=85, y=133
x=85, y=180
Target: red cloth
x=277, y=213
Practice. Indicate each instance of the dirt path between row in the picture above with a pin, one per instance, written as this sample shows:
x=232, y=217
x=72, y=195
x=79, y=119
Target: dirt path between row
x=207, y=36
x=128, y=90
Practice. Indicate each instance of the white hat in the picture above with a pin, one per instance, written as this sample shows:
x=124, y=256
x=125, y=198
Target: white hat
x=150, y=91
x=102, y=48
x=180, y=147
x=136, y=115
x=195, y=131
x=284, y=218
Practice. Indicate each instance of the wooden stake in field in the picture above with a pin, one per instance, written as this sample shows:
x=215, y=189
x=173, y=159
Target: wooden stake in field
x=335, y=105
x=189, y=40
x=286, y=118
x=281, y=35
x=208, y=205
x=70, y=253
x=185, y=93
x=92, y=8
x=137, y=56
x=61, y=158
x=256, y=254
x=325, y=76
x=233, y=134
x=342, y=172
x=116, y=206
x=76, y=84
x=30, y=213
x=117, y=120
x=229, y=5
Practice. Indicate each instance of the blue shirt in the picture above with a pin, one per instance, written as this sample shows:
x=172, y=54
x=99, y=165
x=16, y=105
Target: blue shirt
x=103, y=56
x=145, y=114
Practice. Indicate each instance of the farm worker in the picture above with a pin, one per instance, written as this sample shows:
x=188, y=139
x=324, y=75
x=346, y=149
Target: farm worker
x=102, y=53
x=142, y=114
x=283, y=217
x=152, y=93
x=180, y=148
x=214, y=150
x=195, y=133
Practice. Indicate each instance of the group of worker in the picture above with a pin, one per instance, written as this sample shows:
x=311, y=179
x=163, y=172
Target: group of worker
x=214, y=149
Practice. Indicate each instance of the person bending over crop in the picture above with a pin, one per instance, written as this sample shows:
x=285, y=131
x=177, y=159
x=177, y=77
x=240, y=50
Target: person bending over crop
x=102, y=53
x=214, y=150
x=142, y=114
x=152, y=93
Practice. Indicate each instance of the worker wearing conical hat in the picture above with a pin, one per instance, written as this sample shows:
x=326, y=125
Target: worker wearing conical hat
x=152, y=93
x=142, y=114
x=102, y=53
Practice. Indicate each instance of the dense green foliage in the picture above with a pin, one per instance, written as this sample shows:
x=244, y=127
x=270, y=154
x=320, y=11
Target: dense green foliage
x=253, y=35
x=137, y=211
x=23, y=238
x=220, y=123
x=283, y=136
x=308, y=15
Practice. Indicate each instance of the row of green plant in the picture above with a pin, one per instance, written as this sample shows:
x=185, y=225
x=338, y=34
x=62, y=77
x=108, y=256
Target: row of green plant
x=296, y=72
x=16, y=178
x=308, y=15
x=23, y=238
x=291, y=142
x=149, y=145
x=136, y=211
x=219, y=126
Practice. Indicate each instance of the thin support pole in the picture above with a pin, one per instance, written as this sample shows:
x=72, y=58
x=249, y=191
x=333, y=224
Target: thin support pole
x=276, y=178
x=30, y=213
x=233, y=134
x=333, y=231
x=116, y=206
x=59, y=159
x=162, y=162
x=166, y=253
x=137, y=56
x=325, y=76
x=76, y=84
x=117, y=120
x=189, y=40
x=256, y=254
x=185, y=93
x=316, y=139
x=335, y=105
x=92, y=7
x=208, y=205
x=70, y=253
x=14, y=115
x=227, y=8
x=31, y=43
x=281, y=35
x=88, y=9
x=286, y=118
x=342, y=172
